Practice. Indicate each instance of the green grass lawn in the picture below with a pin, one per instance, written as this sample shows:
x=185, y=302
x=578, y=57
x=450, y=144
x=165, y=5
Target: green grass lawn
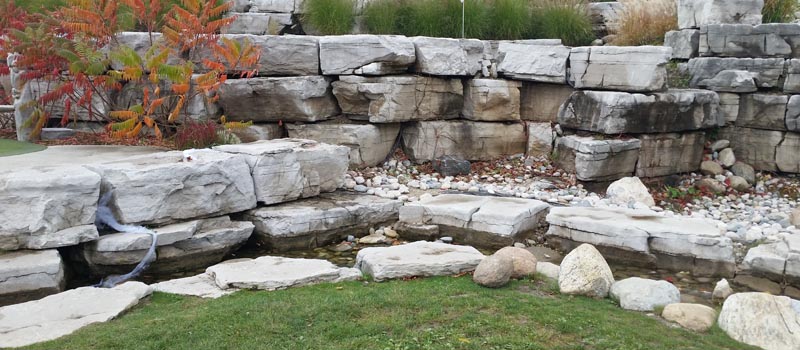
x=434, y=313
x=13, y=147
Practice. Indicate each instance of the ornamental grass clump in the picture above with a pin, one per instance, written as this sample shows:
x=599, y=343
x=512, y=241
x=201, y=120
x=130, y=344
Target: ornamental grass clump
x=567, y=20
x=329, y=17
x=645, y=22
x=779, y=11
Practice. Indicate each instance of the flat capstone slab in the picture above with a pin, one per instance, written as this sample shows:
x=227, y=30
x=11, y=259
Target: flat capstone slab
x=420, y=258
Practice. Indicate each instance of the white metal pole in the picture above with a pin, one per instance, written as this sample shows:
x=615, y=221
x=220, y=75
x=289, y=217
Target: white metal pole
x=463, y=31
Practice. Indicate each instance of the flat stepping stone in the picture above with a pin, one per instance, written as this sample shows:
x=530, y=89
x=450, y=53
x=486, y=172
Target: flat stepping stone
x=201, y=285
x=417, y=259
x=273, y=273
x=61, y=314
x=30, y=274
x=481, y=221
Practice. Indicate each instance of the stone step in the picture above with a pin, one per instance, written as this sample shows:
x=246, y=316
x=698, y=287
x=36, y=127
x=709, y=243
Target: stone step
x=776, y=261
x=624, y=68
x=417, y=259
x=273, y=273
x=597, y=159
x=29, y=275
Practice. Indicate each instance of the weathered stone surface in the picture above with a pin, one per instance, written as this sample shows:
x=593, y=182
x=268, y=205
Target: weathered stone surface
x=685, y=43
x=597, y=159
x=585, y=272
x=287, y=169
x=448, y=57
x=745, y=40
x=668, y=154
x=730, y=81
x=47, y=207
x=273, y=273
x=180, y=247
x=612, y=112
x=729, y=106
x=201, y=285
x=793, y=113
x=491, y=100
x=792, y=83
x=722, y=290
x=540, y=139
x=766, y=71
x=259, y=23
x=696, y=317
x=165, y=187
x=494, y=271
x=365, y=54
x=285, y=6
x=425, y=141
x=482, y=221
x=523, y=261
x=605, y=16
x=767, y=260
x=61, y=314
x=258, y=132
x=641, y=294
x=28, y=275
x=647, y=239
x=304, y=99
x=417, y=259
x=315, y=222
x=727, y=158
x=763, y=320
x=540, y=102
x=744, y=171
x=539, y=63
x=629, y=190
x=284, y=55
x=711, y=168
x=395, y=99
x=370, y=144
x=762, y=111
x=625, y=68
x=787, y=159
x=756, y=147
x=698, y=13
x=451, y=166
x=548, y=269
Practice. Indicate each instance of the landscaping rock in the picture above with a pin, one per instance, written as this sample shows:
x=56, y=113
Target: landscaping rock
x=597, y=159
x=273, y=273
x=524, y=262
x=737, y=81
x=625, y=68
x=722, y=290
x=613, y=112
x=758, y=147
x=491, y=100
x=393, y=99
x=425, y=141
x=629, y=190
x=763, y=320
x=709, y=167
x=316, y=222
x=65, y=218
x=540, y=139
x=766, y=71
x=767, y=260
x=719, y=145
x=539, y=63
x=448, y=57
x=698, y=13
x=762, y=111
x=365, y=54
x=548, y=269
x=494, y=271
x=727, y=158
x=669, y=154
x=729, y=106
x=302, y=99
x=540, y=102
x=201, y=285
x=696, y=317
x=370, y=144
x=746, y=40
x=482, y=221
x=64, y=313
x=451, y=166
x=585, y=272
x=258, y=23
x=793, y=113
x=284, y=55
x=280, y=6
x=29, y=275
x=288, y=169
x=792, y=83
x=739, y=183
x=258, y=132
x=641, y=294
x=417, y=259
x=710, y=185
x=685, y=43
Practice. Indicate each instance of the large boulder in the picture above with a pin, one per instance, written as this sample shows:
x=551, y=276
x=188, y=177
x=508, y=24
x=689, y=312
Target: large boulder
x=645, y=238
x=792, y=83
x=540, y=102
x=762, y=111
x=315, y=222
x=28, y=275
x=641, y=294
x=612, y=112
x=417, y=259
x=274, y=272
x=428, y=140
x=625, y=68
x=402, y=98
x=793, y=113
x=737, y=81
x=494, y=271
x=287, y=169
x=766, y=71
x=47, y=207
x=303, y=99
x=685, y=43
x=729, y=106
x=365, y=54
x=541, y=138
x=169, y=187
x=745, y=40
x=670, y=153
x=482, y=221
x=763, y=320
x=539, y=63
x=284, y=55
x=593, y=159
x=768, y=150
x=258, y=23
x=491, y=100
x=524, y=261
x=448, y=57
x=629, y=190
x=64, y=313
x=370, y=144
x=585, y=272
x=696, y=317
x=698, y=13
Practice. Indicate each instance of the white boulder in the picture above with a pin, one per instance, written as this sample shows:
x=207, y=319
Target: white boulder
x=585, y=272
x=763, y=320
x=641, y=294
x=628, y=191
x=417, y=259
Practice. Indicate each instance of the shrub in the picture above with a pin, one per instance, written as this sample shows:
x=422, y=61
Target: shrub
x=510, y=19
x=329, y=17
x=644, y=22
x=196, y=134
x=567, y=20
x=779, y=11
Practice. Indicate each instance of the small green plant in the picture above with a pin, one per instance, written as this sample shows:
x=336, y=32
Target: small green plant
x=676, y=77
x=779, y=11
x=567, y=20
x=329, y=17
x=677, y=193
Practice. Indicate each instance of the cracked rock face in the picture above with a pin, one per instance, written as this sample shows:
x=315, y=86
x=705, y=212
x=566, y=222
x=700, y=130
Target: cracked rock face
x=767, y=150
x=30, y=274
x=597, y=159
x=530, y=62
x=699, y=13
x=671, y=153
x=448, y=57
x=429, y=140
x=303, y=99
x=370, y=144
x=636, y=69
x=745, y=40
x=767, y=72
x=365, y=54
x=492, y=100
x=417, y=259
x=763, y=320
